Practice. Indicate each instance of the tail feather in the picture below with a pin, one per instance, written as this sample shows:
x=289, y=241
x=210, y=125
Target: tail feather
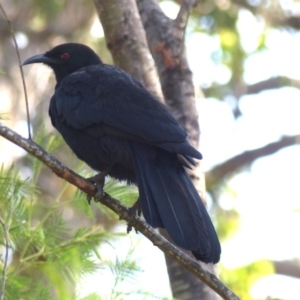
x=169, y=200
x=149, y=208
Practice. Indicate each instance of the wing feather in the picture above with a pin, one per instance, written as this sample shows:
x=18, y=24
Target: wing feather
x=120, y=103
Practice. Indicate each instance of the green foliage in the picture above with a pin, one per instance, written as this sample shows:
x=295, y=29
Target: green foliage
x=122, y=270
x=227, y=223
x=220, y=22
x=240, y=279
x=48, y=9
x=4, y=116
x=49, y=142
x=126, y=194
x=93, y=296
x=41, y=247
x=47, y=257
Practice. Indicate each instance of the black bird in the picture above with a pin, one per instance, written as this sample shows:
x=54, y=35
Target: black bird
x=114, y=124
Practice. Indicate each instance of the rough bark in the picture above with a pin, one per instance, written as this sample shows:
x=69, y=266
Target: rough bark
x=127, y=42
x=166, y=42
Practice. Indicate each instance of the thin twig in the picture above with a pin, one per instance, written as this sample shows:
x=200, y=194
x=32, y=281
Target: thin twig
x=21, y=69
x=181, y=22
x=183, y=14
x=3, y=280
x=125, y=214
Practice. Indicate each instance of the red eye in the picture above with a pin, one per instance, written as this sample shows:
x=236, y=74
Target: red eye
x=65, y=56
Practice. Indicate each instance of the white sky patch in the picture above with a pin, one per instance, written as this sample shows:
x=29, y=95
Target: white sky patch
x=216, y=126
x=270, y=115
x=200, y=48
x=222, y=74
x=280, y=58
x=97, y=29
x=170, y=9
x=270, y=287
x=267, y=69
x=268, y=201
x=22, y=40
x=250, y=28
x=21, y=128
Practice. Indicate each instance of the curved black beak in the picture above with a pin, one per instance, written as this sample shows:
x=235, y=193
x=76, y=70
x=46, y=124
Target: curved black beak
x=40, y=58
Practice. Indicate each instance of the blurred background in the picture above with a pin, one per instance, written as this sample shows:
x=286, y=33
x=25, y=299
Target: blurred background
x=245, y=60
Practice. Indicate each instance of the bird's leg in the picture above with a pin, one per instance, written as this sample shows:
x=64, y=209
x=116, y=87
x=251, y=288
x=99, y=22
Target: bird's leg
x=99, y=181
x=136, y=210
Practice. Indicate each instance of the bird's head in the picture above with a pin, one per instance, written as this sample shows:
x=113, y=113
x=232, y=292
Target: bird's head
x=66, y=59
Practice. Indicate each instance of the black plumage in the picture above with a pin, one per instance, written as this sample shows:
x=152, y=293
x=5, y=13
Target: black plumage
x=112, y=122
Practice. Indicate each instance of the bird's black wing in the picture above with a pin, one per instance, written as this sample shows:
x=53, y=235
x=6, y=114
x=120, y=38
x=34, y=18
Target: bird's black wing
x=104, y=99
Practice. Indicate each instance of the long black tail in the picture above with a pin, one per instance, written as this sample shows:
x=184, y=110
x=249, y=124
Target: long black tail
x=169, y=200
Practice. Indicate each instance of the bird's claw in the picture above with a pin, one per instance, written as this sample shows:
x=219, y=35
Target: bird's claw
x=97, y=197
x=99, y=194
x=99, y=181
x=136, y=211
x=89, y=199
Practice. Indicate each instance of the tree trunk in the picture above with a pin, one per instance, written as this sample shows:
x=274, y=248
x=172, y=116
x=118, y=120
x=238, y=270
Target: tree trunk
x=126, y=39
x=166, y=42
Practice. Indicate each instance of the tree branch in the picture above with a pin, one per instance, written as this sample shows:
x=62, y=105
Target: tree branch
x=271, y=83
x=232, y=165
x=125, y=214
x=288, y=268
x=239, y=89
x=184, y=12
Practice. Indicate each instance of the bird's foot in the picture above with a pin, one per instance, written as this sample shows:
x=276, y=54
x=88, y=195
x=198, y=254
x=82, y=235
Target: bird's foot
x=99, y=181
x=136, y=210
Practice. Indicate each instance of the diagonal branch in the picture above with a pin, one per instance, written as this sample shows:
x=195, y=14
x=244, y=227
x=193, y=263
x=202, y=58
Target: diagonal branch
x=125, y=214
x=240, y=89
x=234, y=164
x=183, y=14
